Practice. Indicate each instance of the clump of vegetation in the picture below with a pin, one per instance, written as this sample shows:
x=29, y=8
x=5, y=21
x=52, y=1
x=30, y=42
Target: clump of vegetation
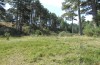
x=97, y=31
x=64, y=33
x=52, y=33
x=91, y=31
x=38, y=32
x=7, y=35
x=26, y=29
x=88, y=30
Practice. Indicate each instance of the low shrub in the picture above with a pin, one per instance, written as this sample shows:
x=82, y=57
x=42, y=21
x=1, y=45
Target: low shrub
x=53, y=33
x=88, y=31
x=64, y=33
x=38, y=32
x=26, y=29
x=46, y=31
x=96, y=31
x=91, y=31
x=7, y=35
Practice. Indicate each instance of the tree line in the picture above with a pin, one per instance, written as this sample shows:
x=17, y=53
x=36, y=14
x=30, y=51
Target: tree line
x=30, y=16
x=82, y=7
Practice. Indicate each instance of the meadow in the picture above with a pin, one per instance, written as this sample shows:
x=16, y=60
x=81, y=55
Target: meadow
x=50, y=50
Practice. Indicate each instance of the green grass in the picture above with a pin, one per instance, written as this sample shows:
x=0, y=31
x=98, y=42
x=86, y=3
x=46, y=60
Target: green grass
x=50, y=50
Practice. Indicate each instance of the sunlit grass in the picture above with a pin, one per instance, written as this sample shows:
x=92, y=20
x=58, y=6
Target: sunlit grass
x=50, y=50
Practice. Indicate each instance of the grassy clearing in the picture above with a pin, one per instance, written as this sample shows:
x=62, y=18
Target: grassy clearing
x=50, y=51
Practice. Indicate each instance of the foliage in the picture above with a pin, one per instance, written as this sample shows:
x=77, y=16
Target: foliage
x=91, y=7
x=64, y=33
x=46, y=31
x=29, y=16
x=89, y=30
x=32, y=13
x=71, y=7
x=7, y=35
x=26, y=29
x=64, y=25
x=53, y=33
x=97, y=31
x=38, y=32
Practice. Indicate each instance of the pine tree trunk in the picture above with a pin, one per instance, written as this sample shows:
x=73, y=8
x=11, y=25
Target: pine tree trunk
x=94, y=10
x=72, y=26
x=79, y=15
x=17, y=22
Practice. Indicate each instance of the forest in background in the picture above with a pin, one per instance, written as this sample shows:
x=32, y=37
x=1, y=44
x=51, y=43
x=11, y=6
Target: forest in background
x=26, y=17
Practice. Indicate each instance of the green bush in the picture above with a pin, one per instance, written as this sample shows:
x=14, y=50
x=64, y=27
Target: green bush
x=38, y=32
x=26, y=29
x=91, y=31
x=63, y=33
x=88, y=30
x=96, y=31
x=53, y=33
x=46, y=31
x=7, y=35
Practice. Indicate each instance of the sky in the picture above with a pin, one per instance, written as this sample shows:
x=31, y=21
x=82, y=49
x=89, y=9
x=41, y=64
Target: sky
x=53, y=6
x=7, y=6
